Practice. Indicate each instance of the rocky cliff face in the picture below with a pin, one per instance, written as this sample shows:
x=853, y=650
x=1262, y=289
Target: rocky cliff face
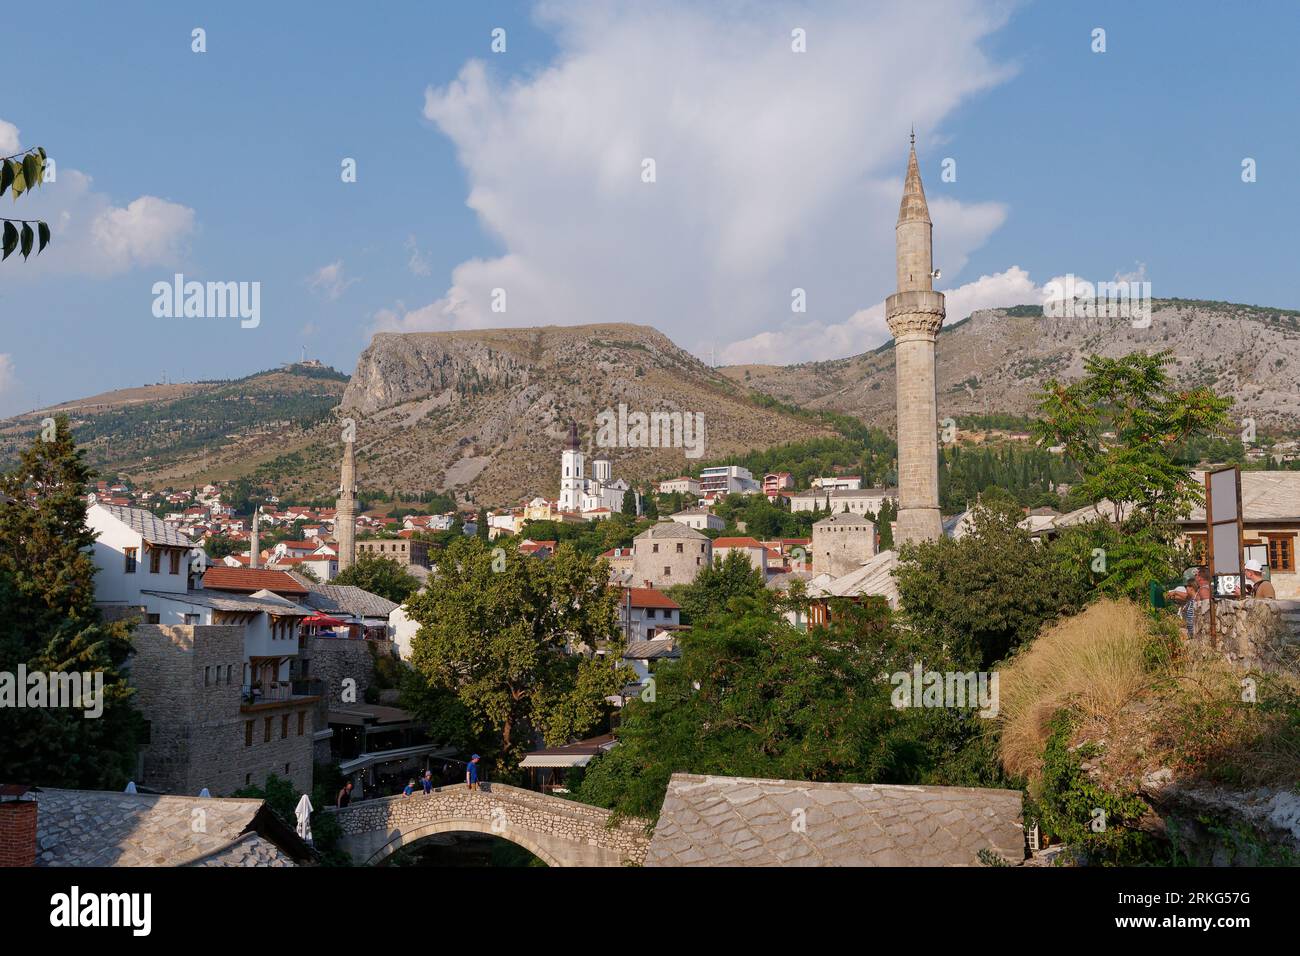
x=484, y=414
x=997, y=361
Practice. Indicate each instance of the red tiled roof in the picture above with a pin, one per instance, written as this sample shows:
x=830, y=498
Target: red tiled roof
x=248, y=580
x=736, y=543
x=649, y=597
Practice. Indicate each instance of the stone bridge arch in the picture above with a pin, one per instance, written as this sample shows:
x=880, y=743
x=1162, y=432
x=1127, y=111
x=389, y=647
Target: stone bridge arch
x=559, y=832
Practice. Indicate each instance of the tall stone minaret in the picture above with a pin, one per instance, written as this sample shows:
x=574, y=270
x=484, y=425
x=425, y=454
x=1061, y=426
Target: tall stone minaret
x=915, y=313
x=345, y=510
x=254, y=557
x=573, y=481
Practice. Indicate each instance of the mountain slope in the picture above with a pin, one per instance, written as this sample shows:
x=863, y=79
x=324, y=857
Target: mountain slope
x=487, y=411
x=997, y=360
x=190, y=433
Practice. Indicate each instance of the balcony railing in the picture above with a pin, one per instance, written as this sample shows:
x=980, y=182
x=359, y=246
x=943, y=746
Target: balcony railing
x=268, y=691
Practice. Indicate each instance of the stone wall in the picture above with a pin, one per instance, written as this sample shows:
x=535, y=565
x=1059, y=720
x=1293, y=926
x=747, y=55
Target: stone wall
x=330, y=660
x=561, y=832
x=1255, y=634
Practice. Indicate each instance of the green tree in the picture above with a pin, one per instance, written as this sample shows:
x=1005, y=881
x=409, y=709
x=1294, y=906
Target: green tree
x=717, y=586
x=379, y=575
x=1136, y=471
x=985, y=594
x=509, y=635
x=629, y=503
x=51, y=625
x=20, y=173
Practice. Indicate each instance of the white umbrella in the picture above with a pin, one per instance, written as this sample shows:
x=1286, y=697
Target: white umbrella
x=130, y=786
x=303, y=813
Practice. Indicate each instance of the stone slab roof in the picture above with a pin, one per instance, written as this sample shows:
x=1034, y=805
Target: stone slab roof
x=347, y=599
x=1265, y=496
x=738, y=821
x=263, y=602
x=651, y=650
x=874, y=577
x=670, y=529
x=150, y=527
x=101, y=828
x=844, y=518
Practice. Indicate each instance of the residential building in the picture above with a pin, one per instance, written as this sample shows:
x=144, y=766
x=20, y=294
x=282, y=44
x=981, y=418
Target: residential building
x=404, y=551
x=860, y=501
x=1270, y=510
x=645, y=614
x=776, y=483
x=727, y=480
x=701, y=519
x=751, y=548
x=838, y=483
x=685, y=485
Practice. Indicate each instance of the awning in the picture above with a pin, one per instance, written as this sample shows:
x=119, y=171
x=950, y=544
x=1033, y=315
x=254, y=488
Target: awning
x=321, y=620
x=556, y=760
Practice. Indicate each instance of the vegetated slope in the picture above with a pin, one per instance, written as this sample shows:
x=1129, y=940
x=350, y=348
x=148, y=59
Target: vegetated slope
x=997, y=360
x=181, y=434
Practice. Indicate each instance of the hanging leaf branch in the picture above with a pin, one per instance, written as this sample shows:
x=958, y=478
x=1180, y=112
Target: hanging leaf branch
x=21, y=173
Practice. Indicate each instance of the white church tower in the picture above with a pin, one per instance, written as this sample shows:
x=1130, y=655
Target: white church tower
x=573, y=481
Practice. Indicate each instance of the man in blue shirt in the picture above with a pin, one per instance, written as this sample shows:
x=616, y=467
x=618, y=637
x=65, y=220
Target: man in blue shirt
x=427, y=781
x=471, y=772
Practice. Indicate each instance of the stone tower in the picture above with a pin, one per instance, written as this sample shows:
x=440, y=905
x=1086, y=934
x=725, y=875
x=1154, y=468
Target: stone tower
x=915, y=313
x=345, y=510
x=254, y=554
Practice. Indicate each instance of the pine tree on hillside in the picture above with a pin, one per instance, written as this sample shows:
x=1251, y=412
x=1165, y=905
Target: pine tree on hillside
x=51, y=625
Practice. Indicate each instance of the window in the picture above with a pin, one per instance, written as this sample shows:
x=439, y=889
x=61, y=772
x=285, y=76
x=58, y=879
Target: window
x=649, y=612
x=284, y=726
x=153, y=618
x=230, y=673
x=248, y=733
x=207, y=676
x=175, y=562
x=679, y=547
x=1281, y=552
x=654, y=549
x=302, y=721
x=191, y=618
x=266, y=731
x=130, y=559
x=668, y=572
x=155, y=560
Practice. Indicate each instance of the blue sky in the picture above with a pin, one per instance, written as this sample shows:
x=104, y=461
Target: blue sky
x=523, y=170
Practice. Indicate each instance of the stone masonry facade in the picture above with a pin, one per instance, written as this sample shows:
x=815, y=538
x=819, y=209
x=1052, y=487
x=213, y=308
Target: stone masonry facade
x=187, y=680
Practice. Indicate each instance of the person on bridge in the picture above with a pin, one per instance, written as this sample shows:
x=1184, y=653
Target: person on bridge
x=427, y=781
x=345, y=795
x=471, y=772
x=409, y=788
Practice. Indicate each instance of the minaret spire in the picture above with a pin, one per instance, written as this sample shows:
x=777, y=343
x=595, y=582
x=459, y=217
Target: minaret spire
x=915, y=314
x=345, y=509
x=254, y=552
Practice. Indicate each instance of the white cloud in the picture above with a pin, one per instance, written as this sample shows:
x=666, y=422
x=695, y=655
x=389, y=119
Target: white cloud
x=9, y=142
x=418, y=262
x=329, y=280
x=775, y=169
x=7, y=377
x=867, y=329
x=93, y=237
